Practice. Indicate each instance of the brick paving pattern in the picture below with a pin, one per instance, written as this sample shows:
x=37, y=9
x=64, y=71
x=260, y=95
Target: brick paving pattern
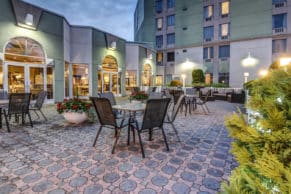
x=56, y=157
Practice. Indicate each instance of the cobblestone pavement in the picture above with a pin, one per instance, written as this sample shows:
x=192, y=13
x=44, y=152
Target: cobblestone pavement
x=55, y=157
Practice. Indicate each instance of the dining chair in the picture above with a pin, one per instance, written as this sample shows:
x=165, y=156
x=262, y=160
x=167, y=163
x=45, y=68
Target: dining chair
x=110, y=96
x=170, y=117
x=18, y=106
x=108, y=119
x=38, y=104
x=203, y=103
x=153, y=117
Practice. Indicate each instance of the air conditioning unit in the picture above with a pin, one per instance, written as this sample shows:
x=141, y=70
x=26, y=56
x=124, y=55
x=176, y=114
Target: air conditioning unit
x=223, y=59
x=224, y=37
x=224, y=15
x=208, y=60
x=278, y=5
x=278, y=30
x=208, y=19
x=207, y=39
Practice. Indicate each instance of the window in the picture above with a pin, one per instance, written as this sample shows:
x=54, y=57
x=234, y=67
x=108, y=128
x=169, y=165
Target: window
x=159, y=41
x=170, y=56
x=224, y=51
x=171, y=38
x=208, y=53
x=159, y=80
x=280, y=21
x=223, y=78
x=80, y=80
x=130, y=79
x=278, y=1
x=159, y=6
x=171, y=20
x=208, y=33
x=159, y=23
x=224, y=30
x=224, y=8
x=279, y=46
x=159, y=58
x=208, y=12
x=170, y=3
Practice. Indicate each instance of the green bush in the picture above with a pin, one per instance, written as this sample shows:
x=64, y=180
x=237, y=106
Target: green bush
x=198, y=76
x=262, y=144
x=175, y=83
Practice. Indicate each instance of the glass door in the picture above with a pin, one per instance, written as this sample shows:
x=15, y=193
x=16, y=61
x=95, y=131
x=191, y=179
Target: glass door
x=16, y=79
x=114, y=83
x=106, y=82
x=36, y=81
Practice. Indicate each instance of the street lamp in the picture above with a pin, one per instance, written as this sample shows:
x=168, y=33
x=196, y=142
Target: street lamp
x=246, y=75
x=183, y=78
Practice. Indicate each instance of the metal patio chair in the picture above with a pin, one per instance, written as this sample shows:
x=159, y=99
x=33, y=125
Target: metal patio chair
x=18, y=106
x=202, y=102
x=38, y=104
x=153, y=117
x=170, y=118
x=110, y=96
x=108, y=119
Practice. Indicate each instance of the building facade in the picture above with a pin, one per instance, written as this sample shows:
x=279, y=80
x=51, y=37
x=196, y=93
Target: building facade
x=42, y=51
x=227, y=39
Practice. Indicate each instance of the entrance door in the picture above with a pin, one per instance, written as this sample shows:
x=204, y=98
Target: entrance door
x=114, y=83
x=110, y=82
x=26, y=78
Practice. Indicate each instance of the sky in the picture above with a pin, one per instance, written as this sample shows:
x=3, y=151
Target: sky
x=113, y=16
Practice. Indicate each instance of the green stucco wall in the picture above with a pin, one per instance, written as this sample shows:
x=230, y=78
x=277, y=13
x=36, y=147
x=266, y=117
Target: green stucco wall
x=100, y=52
x=192, y=18
x=250, y=18
x=49, y=34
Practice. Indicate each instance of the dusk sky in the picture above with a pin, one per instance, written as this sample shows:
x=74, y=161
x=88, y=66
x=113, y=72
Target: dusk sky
x=113, y=16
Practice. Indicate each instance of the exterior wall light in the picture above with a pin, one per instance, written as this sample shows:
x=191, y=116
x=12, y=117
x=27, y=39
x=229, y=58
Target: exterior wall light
x=150, y=56
x=113, y=45
x=249, y=61
x=28, y=22
x=29, y=19
x=246, y=75
x=284, y=62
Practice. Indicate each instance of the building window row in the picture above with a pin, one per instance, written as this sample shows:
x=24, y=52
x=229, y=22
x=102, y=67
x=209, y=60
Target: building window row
x=170, y=40
x=279, y=23
x=223, y=52
x=159, y=5
x=170, y=22
x=279, y=46
x=224, y=32
x=224, y=10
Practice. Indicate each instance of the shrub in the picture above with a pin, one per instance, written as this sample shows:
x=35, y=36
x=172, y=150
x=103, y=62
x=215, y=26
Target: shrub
x=198, y=76
x=175, y=83
x=73, y=105
x=219, y=85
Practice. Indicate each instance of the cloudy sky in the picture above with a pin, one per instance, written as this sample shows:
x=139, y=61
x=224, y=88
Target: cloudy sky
x=113, y=16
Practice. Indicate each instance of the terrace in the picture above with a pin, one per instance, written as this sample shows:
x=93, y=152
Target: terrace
x=57, y=157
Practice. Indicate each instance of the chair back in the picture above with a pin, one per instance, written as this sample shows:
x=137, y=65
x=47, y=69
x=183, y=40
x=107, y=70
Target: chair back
x=104, y=111
x=40, y=99
x=204, y=100
x=177, y=107
x=109, y=96
x=19, y=103
x=3, y=95
x=155, y=113
x=155, y=95
x=176, y=95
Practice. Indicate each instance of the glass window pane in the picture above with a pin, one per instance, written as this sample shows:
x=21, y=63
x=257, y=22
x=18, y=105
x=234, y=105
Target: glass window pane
x=67, y=82
x=159, y=41
x=80, y=80
x=160, y=23
x=159, y=6
x=49, y=78
x=224, y=51
x=171, y=38
x=225, y=8
x=224, y=29
x=1, y=75
x=208, y=32
x=171, y=20
x=170, y=3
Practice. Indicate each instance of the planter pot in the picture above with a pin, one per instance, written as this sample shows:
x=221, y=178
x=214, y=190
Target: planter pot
x=76, y=118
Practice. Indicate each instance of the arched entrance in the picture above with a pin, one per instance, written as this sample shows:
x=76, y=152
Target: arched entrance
x=147, y=75
x=108, y=76
x=25, y=69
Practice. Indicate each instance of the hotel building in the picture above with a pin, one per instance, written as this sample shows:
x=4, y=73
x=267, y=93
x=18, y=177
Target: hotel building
x=227, y=39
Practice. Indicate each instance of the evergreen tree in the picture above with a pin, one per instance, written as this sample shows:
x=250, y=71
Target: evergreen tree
x=262, y=143
x=198, y=76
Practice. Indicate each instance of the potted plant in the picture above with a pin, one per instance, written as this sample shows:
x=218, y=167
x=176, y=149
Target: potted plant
x=138, y=96
x=74, y=110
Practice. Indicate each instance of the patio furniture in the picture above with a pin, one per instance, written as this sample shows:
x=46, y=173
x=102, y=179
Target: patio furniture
x=107, y=118
x=190, y=98
x=202, y=102
x=155, y=95
x=38, y=104
x=109, y=96
x=170, y=118
x=3, y=95
x=18, y=105
x=153, y=117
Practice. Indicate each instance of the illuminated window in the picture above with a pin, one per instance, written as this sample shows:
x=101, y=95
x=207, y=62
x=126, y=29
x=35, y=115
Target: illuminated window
x=131, y=79
x=224, y=29
x=1, y=75
x=159, y=58
x=147, y=75
x=80, y=80
x=159, y=80
x=225, y=8
x=159, y=23
x=208, y=12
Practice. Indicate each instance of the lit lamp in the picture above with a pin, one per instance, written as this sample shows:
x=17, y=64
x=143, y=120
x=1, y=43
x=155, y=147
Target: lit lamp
x=29, y=19
x=284, y=62
x=246, y=75
x=249, y=61
x=113, y=45
x=183, y=78
x=263, y=72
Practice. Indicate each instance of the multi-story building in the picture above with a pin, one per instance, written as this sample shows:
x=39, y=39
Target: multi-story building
x=224, y=38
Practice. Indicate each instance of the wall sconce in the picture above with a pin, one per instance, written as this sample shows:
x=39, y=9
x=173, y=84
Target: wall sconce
x=28, y=22
x=249, y=61
x=284, y=62
x=112, y=45
x=150, y=56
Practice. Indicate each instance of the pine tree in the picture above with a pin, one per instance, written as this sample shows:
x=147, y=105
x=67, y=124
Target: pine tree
x=262, y=143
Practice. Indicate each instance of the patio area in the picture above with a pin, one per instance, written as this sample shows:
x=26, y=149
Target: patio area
x=57, y=157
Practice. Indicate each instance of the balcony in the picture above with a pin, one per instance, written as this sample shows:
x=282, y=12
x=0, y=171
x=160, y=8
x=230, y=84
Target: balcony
x=279, y=30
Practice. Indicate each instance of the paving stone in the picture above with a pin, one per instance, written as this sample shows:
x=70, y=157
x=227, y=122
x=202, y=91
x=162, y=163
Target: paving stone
x=8, y=188
x=211, y=183
x=136, y=159
x=23, y=171
x=111, y=162
x=55, y=168
x=151, y=164
x=199, y=158
x=159, y=180
x=45, y=162
x=84, y=165
x=93, y=189
x=78, y=181
x=176, y=161
x=127, y=185
x=141, y=173
x=182, y=154
x=194, y=166
x=220, y=155
x=217, y=163
x=169, y=169
x=111, y=177
x=3, y=179
x=125, y=167
x=188, y=176
x=42, y=186
x=160, y=156
x=147, y=191
x=96, y=170
x=65, y=174
x=181, y=188
x=215, y=172
x=73, y=159
x=203, y=192
x=32, y=178
x=57, y=191
x=123, y=154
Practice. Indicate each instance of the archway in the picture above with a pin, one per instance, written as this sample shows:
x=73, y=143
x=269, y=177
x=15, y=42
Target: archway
x=25, y=68
x=108, y=76
x=147, y=75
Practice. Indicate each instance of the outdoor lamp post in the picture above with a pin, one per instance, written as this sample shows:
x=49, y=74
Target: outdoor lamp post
x=246, y=75
x=183, y=78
